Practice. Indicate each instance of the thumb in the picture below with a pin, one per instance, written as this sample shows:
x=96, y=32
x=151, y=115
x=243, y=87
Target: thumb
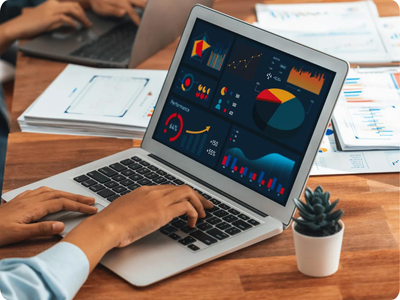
x=45, y=228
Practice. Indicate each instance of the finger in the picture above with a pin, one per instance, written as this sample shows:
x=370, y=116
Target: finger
x=76, y=11
x=55, y=194
x=185, y=193
x=48, y=207
x=112, y=11
x=22, y=194
x=38, y=191
x=138, y=3
x=182, y=208
x=133, y=15
x=41, y=229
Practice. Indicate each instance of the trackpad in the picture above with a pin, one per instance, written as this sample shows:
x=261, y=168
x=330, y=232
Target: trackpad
x=72, y=220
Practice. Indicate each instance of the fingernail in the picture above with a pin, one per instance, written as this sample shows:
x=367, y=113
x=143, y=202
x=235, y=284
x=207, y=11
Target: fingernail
x=58, y=227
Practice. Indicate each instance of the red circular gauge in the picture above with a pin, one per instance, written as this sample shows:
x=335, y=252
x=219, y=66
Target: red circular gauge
x=179, y=117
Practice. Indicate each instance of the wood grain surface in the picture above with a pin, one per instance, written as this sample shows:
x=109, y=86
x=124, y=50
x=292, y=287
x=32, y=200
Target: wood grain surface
x=369, y=266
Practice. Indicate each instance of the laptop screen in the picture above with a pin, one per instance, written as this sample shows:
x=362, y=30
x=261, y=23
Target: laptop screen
x=243, y=109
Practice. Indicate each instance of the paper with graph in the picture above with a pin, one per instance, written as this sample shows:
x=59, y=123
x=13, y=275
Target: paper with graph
x=368, y=111
x=348, y=30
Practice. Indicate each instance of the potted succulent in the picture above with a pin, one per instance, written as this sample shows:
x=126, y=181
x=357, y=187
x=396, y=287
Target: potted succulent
x=318, y=234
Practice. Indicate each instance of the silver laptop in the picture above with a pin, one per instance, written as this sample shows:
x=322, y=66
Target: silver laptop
x=240, y=118
x=113, y=42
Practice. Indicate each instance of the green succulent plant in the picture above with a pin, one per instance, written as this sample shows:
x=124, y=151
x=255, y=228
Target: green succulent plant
x=318, y=217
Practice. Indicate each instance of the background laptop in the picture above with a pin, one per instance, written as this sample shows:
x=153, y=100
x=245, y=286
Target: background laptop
x=113, y=42
x=240, y=118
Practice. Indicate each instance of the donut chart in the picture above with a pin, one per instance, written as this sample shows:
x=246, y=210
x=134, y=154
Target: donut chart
x=279, y=110
x=174, y=127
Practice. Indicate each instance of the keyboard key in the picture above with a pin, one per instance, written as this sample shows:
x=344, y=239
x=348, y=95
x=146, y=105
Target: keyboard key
x=89, y=183
x=106, y=193
x=224, y=206
x=199, y=221
x=161, y=172
x=187, y=240
x=203, y=237
x=143, y=171
x=197, y=190
x=243, y=217
x=204, y=226
x=96, y=188
x=215, y=201
x=99, y=177
x=208, y=215
x=136, y=177
x=170, y=177
x=160, y=180
x=213, y=220
x=118, y=178
x=118, y=167
x=144, y=181
x=127, y=172
x=126, y=162
x=174, y=236
x=133, y=186
x=232, y=231
x=134, y=166
x=218, y=234
x=119, y=189
x=108, y=172
x=125, y=192
x=126, y=182
x=135, y=158
x=111, y=184
x=81, y=178
x=151, y=175
x=168, y=229
x=193, y=247
x=187, y=229
x=144, y=163
x=230, y=219
x=223, y=225
x=113, y=197
x=241, y=225
x=178, y=182
x=184, y=217
x=253, y=222
x=208, y=197
x=213, y=209
x=221, y=213
x=234, y=211
x=179, y=223
x=153, y=168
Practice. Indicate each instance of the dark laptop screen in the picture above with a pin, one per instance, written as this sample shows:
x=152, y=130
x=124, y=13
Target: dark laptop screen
x=243, y=109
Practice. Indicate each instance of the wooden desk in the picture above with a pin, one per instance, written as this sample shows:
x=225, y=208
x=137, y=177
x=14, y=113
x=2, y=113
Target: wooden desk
x=369, y=267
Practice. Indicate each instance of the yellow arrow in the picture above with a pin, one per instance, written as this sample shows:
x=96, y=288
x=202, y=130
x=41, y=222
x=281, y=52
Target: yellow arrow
x=197, y=132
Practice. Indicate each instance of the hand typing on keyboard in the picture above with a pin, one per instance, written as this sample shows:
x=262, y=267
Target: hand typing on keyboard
x=135, y=215
x=16, y=216
x=118, y=8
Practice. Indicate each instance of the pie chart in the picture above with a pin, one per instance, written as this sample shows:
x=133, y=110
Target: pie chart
x=278, y=110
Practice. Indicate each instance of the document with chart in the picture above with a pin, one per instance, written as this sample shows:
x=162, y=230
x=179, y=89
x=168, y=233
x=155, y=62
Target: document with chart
x=348, y=30
x=91, y=101
x=368, y=111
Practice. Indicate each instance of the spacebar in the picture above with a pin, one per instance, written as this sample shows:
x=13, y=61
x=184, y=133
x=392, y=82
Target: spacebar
x=202, y=237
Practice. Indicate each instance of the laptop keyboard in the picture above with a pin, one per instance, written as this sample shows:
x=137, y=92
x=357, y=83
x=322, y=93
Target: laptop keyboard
x=113, y=46
x=220, y=223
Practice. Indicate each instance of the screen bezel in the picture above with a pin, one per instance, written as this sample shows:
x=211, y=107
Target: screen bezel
x=216, y=179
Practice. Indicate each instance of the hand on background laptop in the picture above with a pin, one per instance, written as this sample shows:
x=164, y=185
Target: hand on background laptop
x=47, y=16
x=134, y=216
x=118, y=8
x=16, y=216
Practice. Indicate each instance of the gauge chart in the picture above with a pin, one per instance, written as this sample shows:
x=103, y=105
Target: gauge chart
x=279, y=110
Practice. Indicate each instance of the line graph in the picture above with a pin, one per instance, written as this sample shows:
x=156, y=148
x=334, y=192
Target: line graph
x=244, y=60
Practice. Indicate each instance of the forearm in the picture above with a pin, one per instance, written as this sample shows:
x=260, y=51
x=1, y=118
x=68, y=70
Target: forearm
x=94, y=238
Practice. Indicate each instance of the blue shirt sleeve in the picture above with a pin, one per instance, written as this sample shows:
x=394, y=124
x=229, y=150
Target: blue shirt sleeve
x=57, y=273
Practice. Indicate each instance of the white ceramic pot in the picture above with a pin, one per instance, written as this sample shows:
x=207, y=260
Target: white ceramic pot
x=318, y=256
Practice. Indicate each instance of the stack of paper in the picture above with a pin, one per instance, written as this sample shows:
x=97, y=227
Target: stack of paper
x=368, y=111
x=99, y=102
x=349, y=30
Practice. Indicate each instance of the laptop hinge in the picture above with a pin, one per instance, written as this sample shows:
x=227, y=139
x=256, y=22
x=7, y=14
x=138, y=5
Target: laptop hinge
x=209, y=186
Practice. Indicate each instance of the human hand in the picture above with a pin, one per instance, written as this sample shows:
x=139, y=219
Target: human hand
x=134, y=216
x=47, y=16
x=16, y=216
x=117, y=8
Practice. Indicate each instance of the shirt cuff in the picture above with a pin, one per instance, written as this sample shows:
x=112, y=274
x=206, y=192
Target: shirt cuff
x=69, y=264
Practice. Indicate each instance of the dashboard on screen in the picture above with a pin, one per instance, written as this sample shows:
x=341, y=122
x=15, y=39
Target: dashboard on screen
x=243, y=109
